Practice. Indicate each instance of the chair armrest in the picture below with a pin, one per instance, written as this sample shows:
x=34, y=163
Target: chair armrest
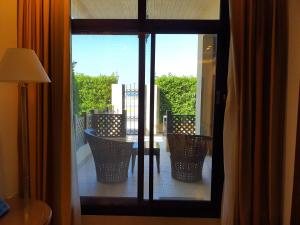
x=90, y=131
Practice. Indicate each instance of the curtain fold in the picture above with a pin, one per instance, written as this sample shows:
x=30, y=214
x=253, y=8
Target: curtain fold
x=254, y=115
x=44, y=26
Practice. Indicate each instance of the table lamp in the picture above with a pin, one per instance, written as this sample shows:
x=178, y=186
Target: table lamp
x=22, y=66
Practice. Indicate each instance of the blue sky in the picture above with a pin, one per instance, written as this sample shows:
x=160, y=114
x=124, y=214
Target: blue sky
x=105, y=54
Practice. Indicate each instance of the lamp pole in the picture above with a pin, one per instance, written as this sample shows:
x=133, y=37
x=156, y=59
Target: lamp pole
x=25, y=151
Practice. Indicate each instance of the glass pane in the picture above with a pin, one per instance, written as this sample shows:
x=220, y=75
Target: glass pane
x=183, y=9
x=104, y=9
x=147, y=114
x=105, y=90
x=185, y=80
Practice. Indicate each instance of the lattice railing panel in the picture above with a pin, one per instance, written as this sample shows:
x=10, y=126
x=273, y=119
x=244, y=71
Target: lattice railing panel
x=181, y=124
x=109, y=125
x=89, y=121
x=79, y=132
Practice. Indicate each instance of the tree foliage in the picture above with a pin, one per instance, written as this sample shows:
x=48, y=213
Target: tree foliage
x=177, y=93
x=94, y=92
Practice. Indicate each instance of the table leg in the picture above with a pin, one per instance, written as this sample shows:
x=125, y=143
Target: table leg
x=133, y=156
x=158, y=162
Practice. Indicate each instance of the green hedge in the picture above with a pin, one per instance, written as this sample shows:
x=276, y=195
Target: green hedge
x=94, y=92
x=75, y=91
x=177, y=93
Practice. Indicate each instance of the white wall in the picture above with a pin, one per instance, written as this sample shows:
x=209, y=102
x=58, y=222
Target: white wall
x=8, y=105
x=292, y=106
x=132, y=106
x=116, y=97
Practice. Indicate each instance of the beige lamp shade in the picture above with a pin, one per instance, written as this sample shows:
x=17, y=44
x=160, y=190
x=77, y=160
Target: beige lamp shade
x=22, y=65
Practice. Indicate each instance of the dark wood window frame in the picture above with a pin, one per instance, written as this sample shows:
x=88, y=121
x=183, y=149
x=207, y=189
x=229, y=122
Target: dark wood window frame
x=141, y=26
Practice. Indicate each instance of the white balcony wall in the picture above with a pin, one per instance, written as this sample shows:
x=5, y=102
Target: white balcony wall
x=131, y=106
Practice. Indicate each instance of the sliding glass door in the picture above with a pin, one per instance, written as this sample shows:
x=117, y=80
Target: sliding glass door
x=180, y=83
x=149, y=90
x=154, y=92
x=106, y=93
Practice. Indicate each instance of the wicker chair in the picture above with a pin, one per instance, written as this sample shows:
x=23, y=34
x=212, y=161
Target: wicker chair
x=187, y=156
x=111, y=157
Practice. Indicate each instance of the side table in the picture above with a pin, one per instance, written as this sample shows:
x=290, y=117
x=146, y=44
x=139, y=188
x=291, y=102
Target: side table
x=156, y=152
x=33, y=213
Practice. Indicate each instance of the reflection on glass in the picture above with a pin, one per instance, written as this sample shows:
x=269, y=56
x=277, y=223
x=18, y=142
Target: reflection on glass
x=105, y=90
x=183, y=9
x=185, y=78
x=104, y=9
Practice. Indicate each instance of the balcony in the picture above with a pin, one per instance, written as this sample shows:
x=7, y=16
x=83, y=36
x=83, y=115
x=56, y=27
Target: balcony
x=165, y=186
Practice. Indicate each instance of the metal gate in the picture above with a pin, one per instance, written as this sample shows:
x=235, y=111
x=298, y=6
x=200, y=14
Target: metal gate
x=130, y=99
